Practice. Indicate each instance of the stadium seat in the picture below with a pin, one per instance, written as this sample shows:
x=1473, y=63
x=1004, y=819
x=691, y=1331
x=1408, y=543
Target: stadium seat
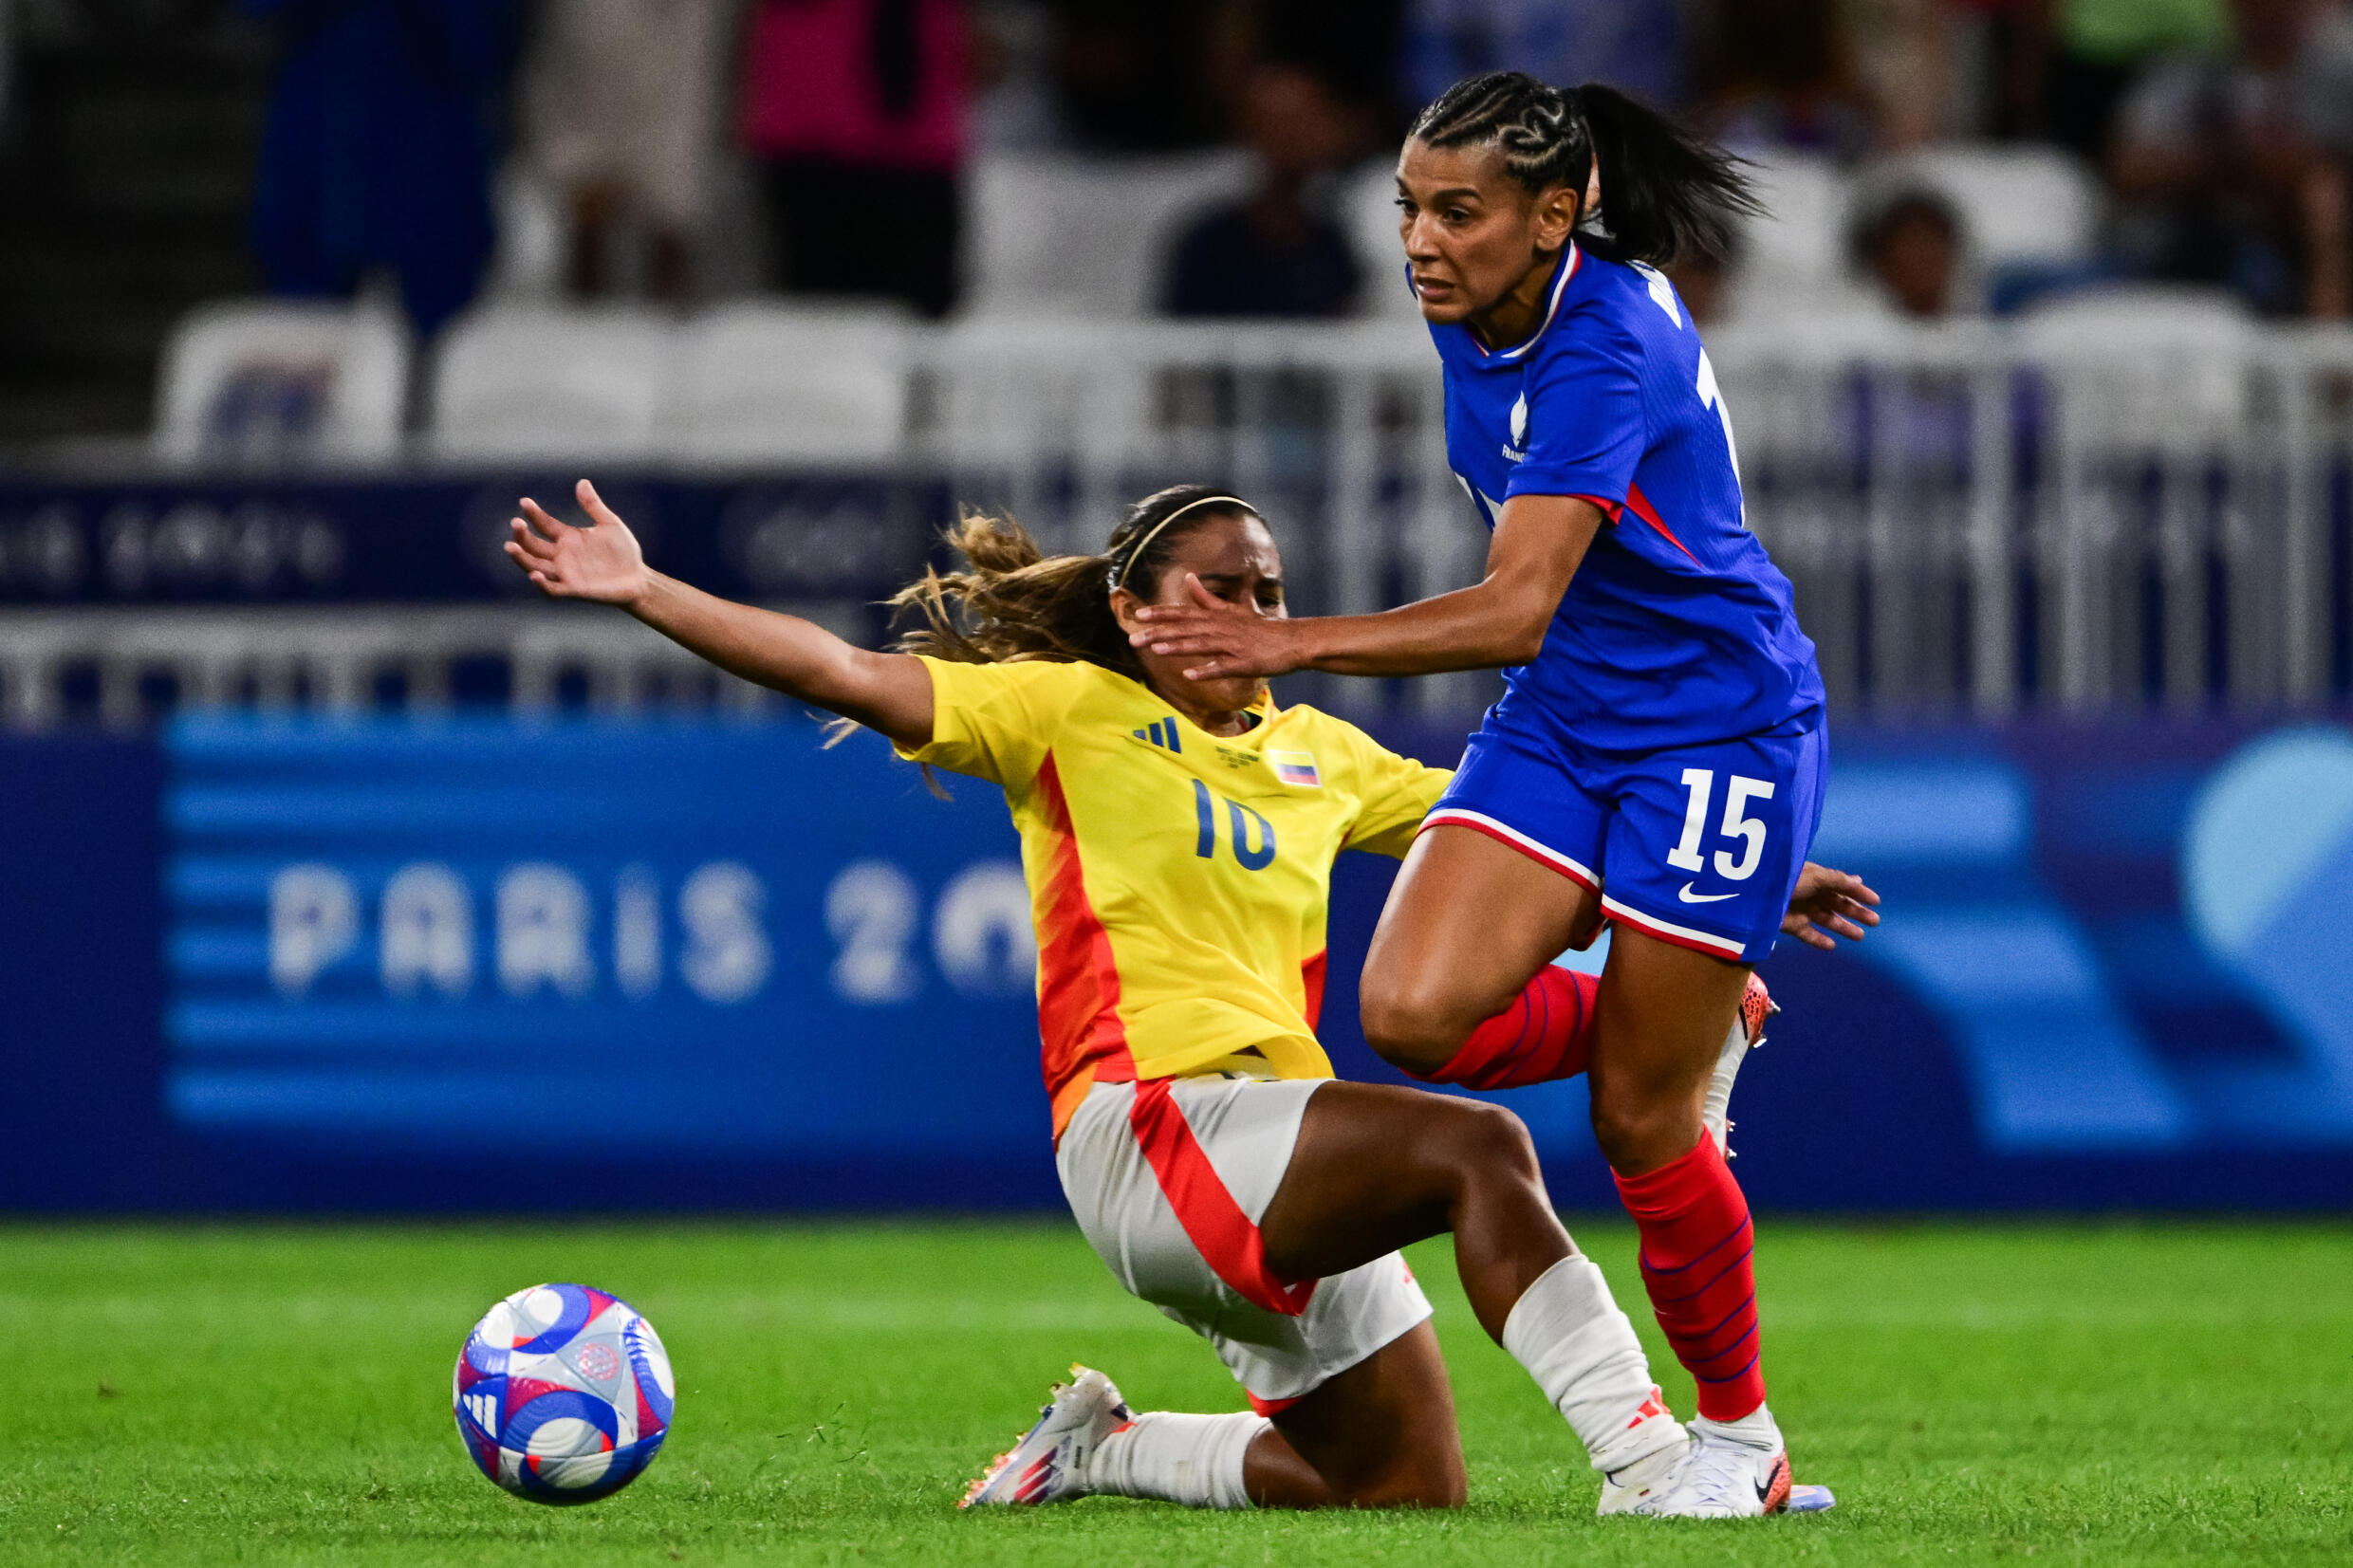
x=1795, y=252
x=2124, y=318
x=524, y=384
x=2155, y=364
x=279, y=382
x=1065, y=234
x=806, y=383
x=1368, y=211
x=2016, y=204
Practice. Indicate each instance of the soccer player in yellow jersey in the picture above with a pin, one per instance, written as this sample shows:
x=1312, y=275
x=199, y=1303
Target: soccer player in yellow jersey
x=1177, y=838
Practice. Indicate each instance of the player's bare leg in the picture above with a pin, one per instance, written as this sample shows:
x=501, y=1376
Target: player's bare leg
x=1384, y=1433
x=1663, y=1012
x=1474, y=999
x=1383, y=1430
x=1468, y=925
x=1378, y=1168
x=1471, y=925
x=1660, y=1024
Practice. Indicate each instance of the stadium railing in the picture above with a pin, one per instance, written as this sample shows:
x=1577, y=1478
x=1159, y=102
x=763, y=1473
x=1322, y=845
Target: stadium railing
x=2137, y=499
x=2134, y=501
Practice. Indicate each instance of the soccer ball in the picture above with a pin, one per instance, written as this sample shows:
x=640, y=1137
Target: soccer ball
x=563, y=1393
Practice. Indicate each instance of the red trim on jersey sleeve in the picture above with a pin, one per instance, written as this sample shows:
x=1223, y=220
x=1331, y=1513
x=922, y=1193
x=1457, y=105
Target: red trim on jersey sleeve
x=1311, y=979
x=1611, y=509
x=1639, y=505
x=1078, y=978
x=1269, y=1406
x=1224, y=1236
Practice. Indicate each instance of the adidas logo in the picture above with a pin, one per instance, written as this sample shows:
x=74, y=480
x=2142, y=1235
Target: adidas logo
x=1161, y=733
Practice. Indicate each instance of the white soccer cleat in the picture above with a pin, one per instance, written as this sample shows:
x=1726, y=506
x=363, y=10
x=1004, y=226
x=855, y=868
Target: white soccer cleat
x=1738, y=1469
x=1048, y=1463
x=1625, y=1489
x=1747, y=1034
x=1728, y=1470
x=1641, y=1486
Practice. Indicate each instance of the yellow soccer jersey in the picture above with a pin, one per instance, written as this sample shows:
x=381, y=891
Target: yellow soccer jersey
x=1177, y=879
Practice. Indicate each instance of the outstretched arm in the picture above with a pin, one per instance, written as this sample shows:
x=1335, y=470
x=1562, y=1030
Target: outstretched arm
x=890, y=692
x=1501, y=619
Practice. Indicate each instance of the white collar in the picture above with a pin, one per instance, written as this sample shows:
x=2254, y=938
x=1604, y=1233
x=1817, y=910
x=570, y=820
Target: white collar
x=1560, y=286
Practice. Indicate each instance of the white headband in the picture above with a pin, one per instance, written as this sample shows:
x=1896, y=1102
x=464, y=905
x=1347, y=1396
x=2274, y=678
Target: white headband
x=1118, y=578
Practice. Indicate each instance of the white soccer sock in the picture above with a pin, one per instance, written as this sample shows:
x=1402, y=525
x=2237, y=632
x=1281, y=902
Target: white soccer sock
x=1568, y=1332
x=1195, y=1460
x=1757, y=1429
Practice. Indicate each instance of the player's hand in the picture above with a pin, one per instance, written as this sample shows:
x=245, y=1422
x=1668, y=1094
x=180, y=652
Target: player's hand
x=1829, y=901
x=1220, y=639
x=600, y=562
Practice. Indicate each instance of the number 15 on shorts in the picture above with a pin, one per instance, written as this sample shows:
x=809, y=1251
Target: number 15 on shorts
x=1700, y=783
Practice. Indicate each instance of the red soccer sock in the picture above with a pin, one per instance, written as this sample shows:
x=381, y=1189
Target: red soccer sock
x=1545, y=1033
x=1697, y=1264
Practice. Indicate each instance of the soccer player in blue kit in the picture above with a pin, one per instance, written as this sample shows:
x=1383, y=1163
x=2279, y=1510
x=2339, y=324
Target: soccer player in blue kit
x=1659, y=757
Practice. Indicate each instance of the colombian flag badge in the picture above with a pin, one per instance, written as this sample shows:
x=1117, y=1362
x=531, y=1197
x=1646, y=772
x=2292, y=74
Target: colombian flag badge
x=1296, y=767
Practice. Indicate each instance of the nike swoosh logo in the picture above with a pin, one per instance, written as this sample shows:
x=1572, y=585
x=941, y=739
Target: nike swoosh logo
x=1689, y=897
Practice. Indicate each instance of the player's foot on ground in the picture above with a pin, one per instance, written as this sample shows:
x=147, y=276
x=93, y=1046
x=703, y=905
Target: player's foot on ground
x=1747, y=1034
x=1641, y=1486
x=1048, y=1463
x=1738, y=1469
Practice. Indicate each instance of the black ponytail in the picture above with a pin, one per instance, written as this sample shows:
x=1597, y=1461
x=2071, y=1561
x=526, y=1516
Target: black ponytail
x=1666, y=194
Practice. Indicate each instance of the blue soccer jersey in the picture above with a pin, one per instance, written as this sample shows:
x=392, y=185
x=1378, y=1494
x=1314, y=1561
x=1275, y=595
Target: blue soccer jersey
x=1677, y=629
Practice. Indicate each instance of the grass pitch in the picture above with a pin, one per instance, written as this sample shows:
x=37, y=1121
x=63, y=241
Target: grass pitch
x=2129, y=1394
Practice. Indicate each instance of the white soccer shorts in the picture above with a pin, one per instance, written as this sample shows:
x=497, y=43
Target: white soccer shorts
x=1169, y=1179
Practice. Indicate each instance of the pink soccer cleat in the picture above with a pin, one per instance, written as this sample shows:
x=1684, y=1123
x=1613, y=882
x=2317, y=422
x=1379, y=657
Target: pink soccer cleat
x=1048, y=1463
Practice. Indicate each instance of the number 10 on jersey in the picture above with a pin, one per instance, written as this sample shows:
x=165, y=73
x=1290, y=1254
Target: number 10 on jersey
x=1240, y=820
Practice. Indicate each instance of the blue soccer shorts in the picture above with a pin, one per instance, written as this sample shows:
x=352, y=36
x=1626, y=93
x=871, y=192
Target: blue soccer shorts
x=1699, y=845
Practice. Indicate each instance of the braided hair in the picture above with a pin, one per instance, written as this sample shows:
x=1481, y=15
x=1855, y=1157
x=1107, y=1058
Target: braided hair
x=1665, y=193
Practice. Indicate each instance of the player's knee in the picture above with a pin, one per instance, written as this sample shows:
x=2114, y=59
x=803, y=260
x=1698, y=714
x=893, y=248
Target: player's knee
x=1637, y=1129
x=1409, y=1025
x=1491, y=1140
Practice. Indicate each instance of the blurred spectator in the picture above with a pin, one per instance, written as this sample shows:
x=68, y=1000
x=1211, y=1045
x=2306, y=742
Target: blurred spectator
x=1351, y=45
x=2229, y=165
x=1151, y=75
x=855, y=110
x=2317, y=87
x=1013, y=104
x=1910, y=245
x=617, y=103
x=1633, y=44
x=1781, y=76
x=2079, y=57
x=1906, y=59
x=1705, y=283
x=1280, y=252
x=375, y=153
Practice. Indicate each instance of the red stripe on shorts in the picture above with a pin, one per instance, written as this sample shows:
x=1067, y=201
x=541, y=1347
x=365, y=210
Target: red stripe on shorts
x=1224, y=1236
